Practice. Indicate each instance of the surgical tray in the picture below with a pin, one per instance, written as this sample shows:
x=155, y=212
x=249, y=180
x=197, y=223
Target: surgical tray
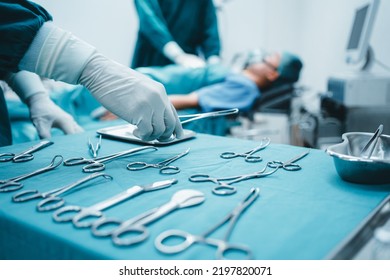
x=360, y=244
x=125, y=132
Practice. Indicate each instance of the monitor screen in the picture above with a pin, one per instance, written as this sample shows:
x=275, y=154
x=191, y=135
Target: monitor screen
x=358, y=43
x=357, y=28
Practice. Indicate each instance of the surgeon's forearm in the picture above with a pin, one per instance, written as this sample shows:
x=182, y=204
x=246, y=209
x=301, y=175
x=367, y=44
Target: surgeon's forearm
x=184, y=101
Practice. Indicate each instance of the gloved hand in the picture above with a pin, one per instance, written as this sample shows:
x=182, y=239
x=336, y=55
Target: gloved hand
x=123, y=91
x=133, y=97
x=189, y=61
x=44, y=113
x=173, y=51
x=213, y=59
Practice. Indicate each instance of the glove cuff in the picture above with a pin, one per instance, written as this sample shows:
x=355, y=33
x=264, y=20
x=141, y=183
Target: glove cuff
x=172, y=50
x=41, y=99
x=61, y=56
x=25, y=84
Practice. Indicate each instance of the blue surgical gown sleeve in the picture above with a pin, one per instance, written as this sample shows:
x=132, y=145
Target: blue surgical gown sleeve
x=19, y=23
x=192, y=24
x=211, y=42
x=152, y=23
x=237, y=91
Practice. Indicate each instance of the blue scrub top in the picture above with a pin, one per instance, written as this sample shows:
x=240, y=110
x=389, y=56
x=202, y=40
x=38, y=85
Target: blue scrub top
x=237, y=91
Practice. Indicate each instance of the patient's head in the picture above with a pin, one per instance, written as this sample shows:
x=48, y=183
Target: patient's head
x=274, y=69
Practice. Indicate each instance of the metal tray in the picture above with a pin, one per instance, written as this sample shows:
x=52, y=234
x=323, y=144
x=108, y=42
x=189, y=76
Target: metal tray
x=125, y=133
x=360, y=244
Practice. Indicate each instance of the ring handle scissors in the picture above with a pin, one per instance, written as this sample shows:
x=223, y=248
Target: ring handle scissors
x=249, y=155
x=26, y=155
x=97, y=164
x=289, y=165
x=222, y=188
x=13, y=184
x=223, y=246
x=137, y=226
x=225, y=188
x=82, y=216
x=51, y=199
x=164, y=166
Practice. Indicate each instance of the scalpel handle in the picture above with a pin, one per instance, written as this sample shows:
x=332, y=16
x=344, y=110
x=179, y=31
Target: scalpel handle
x=130, y=192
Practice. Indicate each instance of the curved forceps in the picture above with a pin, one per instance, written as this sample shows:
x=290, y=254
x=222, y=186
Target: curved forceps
x=13, y=184
x=249, y=157
x=81, y=214
x=51, y=199
x=194, y=117
x=225, y=188
x=164, y=166
x=289, y=165
x=26, y=155
x=137, y=226
x=97, y=164
x=223, y=246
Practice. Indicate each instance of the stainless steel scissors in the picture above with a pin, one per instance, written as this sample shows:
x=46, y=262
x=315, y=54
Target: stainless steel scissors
x=194, y=117
x=136, y=226
x=164, y=166
x=225, y=188
x=26, y=155
x=249, y=157
x=223, y=246
x=13, y=184
x=51, y=199
x=97, y=164
x=93, y=150
x=83, y=216
x=289, y=165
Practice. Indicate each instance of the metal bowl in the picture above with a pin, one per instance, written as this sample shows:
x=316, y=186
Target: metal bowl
x=352, y=167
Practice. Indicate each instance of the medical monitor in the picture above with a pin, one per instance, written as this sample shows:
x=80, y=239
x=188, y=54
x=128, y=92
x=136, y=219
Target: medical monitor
x=359, y=39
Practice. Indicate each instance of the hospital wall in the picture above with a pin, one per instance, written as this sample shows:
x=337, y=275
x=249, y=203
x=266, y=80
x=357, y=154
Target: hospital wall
x=316, y=30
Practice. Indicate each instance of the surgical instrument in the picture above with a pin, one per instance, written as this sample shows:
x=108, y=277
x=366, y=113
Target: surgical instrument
x=97, y=164
x=225, y=188
x=223, y=246
x=249, y=157
x=50, y=199
x=13, y=184
x=83, y=216
x=371, y=143
x=136, y=226
x=26, y=155
x=289, y=165
x=194, y=117
x=93, y=150
x=164, y=166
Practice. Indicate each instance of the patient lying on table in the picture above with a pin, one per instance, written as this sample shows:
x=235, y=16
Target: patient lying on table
x=216, y=87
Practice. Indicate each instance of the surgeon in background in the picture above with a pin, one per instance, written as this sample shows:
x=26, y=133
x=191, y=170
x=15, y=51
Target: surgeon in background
x=183, y=32
x=30, y=41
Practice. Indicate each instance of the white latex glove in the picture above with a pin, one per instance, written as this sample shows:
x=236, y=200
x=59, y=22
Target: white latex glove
x=214, y=59
x=44, y=113
x=190, y=61
x=133, y=97
x=173, y=51
x=123, y=91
